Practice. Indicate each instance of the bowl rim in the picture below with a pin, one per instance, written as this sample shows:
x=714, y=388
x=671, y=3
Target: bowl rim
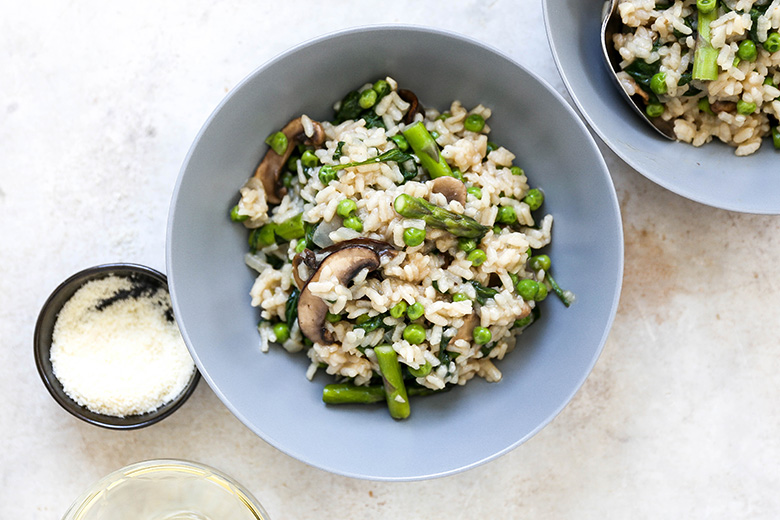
x=42, y=346
x=591, y=141
x=83, y=500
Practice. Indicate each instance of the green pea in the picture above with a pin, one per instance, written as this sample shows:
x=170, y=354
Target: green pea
x=476, y=257
x=382, y=88
x=527, y=288
x=769, y=81
x=747, y=50
x=292, y=163
x=278, y=142
x=772, y=43
x=443, y=116
x=658, y=83
x=704, y=106
x=745, y=108
x=423, y=371
x=353, y=222
x=540, y=262
x=541, y=294
x=506, y=215
x=414, y=334
x=282, y=332
x=235, y=216
x=476, y=191
x=474, y=123
x=414, y=236
x=524, y=322
x=776, y=137
x=309, y=160
x=346, y=208
x=481, y=335
x=457, y=174
x=496, y=229
x=706, y=6
x=467, y=245
x=327, y=174
x=368, y=98
x=398, y=310
x=333, y=318
x=459, y=297
x=415, y=311
x=534, y=198
x=516, y=170
x=654, y=110
x=400, y=141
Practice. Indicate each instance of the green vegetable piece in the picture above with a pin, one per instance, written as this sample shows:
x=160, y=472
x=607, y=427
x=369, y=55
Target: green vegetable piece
x=414, y=334
x=291, y=307
x=516, y=170
x=534, y=198
x=560, y=293
x=401, y=142
x=476, y=257
x=459, y=297
x=483, y=293
x=506, y=215
x=490, y=147
x=440, y=218
x=527, y=289
x=414, y=236
x=704, y=106
x=262, y=237
x=346, y=393
x=353, y=222
x=235, y=216
x=300, y=246
x=745, y=108
x=541, y=294
x=524, y=322
x=291, y=228
x=540, y=262
x=481, y=335
x=423, y=371
x=398, y=310
x=776, y=137
x=327, y=174
x=415, y=311
x=476, y=191
x=467, y=244
x=474, y=123
x=772, y=43
x=382, y=88
x=346, y=208
x=282, y=332
x=705, y=58
x=658, y=83
x=395, y=390
x=309, y=159
x=747, y=50
x=278, y=142
x=426, y=149
x=368, y=98
x=333, y=318
x=654, y=110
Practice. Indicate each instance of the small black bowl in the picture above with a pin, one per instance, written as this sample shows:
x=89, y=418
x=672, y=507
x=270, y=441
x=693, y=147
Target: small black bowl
x=42, y=346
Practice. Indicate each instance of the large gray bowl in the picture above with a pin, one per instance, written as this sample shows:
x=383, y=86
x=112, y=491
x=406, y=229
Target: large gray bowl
x=711, y=174
x=209, y=282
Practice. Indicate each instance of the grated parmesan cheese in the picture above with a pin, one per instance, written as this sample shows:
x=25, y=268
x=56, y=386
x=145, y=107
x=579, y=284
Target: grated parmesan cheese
x=116, y=348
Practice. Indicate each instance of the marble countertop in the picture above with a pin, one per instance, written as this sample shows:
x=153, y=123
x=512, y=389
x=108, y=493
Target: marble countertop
x=99, y=103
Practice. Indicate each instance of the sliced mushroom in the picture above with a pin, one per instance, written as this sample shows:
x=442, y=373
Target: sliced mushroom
x=345, y=264
x=272, y=164
x=451, y=188
x=467, y=330
x=377, y=246
x=414, y=105
x=723, y=106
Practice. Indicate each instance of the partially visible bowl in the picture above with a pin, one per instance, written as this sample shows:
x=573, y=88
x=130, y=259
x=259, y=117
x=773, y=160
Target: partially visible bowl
x=166, y=490
x=42, y=342
x=269, y=392
x=711, y=174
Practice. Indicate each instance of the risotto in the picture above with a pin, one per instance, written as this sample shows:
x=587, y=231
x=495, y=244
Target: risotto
x=709, y=67
x=396, y=245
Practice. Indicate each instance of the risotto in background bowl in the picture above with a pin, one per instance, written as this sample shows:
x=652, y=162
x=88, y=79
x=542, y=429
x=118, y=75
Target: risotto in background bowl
x=736, y=176
x=233, y=286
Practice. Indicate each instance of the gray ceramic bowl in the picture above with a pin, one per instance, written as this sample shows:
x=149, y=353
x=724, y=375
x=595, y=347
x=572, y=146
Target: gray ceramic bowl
x=269, y=392
x=712, y=174
x=44, y=327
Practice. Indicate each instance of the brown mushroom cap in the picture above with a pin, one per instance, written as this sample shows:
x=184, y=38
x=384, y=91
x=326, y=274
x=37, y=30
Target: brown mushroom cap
x=271, y=166
x=345, y=264
x=414, y=105
x=450, y=187
x=467, y=330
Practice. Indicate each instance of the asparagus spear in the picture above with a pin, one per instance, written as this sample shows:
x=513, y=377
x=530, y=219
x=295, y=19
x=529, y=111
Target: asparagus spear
x=459, y=225
x=328, y=171
x=347, y=393
x=705, y=64
x=560, y=293
x=427, y=150
x=395, y=390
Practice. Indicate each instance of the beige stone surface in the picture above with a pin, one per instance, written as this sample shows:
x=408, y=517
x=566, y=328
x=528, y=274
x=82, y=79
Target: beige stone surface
x=99, y=102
